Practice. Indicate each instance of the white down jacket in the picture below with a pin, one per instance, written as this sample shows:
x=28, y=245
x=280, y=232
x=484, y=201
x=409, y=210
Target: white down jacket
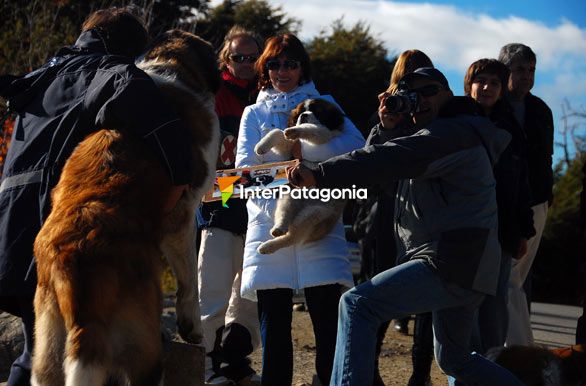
x=316, y=263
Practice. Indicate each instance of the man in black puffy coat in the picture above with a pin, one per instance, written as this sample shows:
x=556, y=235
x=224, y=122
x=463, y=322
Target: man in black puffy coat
x=91, y=85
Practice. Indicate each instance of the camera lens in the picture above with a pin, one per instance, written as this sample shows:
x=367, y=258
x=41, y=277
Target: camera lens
x=397, y=104
x=401, y=104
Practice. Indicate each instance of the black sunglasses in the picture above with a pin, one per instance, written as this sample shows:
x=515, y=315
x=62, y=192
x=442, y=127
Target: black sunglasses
x=288, y=64
x=427, y=91
x=237, y=58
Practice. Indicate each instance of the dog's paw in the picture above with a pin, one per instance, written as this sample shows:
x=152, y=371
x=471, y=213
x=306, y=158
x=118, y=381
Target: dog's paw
x=292, y=133
x=265, y=249
x=276, y=232
x=261, y=149
x=187, y=332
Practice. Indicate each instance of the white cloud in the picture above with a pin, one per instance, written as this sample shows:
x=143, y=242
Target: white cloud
x=451, y=37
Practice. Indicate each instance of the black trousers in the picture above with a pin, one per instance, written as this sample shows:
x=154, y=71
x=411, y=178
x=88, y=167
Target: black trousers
x=20, y=371
x=275, y=308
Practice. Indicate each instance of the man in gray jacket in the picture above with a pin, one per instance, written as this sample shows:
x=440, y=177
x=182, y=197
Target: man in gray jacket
x=445, y=225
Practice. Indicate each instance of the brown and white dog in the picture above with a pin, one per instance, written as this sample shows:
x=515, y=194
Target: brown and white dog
x=537, y=366
x=313, y=123
x=98, y=299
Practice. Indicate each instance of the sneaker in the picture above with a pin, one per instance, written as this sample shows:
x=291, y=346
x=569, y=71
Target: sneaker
x=251, y=380
x=218, y=380
x=212, y=378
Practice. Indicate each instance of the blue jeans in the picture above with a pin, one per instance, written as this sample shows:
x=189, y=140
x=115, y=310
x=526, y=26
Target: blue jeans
x=493, y=314
x=412, y=288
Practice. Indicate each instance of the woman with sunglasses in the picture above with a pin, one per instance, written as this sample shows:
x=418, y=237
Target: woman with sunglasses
x=321, y=268
x=485, y=82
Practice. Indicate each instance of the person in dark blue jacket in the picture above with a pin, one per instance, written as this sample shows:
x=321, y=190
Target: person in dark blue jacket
x=485, y=82
x=91, y=85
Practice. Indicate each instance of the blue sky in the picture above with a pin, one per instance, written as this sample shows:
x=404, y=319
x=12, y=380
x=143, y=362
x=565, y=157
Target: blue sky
x=455, y=33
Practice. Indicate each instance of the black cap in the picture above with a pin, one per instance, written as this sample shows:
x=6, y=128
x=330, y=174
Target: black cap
x=424, y=72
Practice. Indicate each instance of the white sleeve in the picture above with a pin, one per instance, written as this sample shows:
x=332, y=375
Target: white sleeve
x=248, y=136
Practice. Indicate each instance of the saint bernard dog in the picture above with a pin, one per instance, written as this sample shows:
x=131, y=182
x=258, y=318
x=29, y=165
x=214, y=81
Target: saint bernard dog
x=98, y=300
x=313, y=123
x=539, y=366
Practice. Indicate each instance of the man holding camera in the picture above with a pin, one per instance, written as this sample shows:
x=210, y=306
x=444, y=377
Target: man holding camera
x=445, y=224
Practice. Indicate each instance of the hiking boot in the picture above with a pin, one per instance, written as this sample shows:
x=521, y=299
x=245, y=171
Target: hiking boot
x=250, y=380
x=218, y=380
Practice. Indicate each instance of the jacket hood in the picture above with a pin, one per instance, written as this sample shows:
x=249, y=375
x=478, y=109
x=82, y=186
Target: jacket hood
x=303, y=90
x=90, y=40
x=493, y=139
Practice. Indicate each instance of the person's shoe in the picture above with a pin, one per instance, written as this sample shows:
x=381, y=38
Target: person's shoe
x=402, y=326
x=218, y=380
x=416, y=381
x=377, y=381
x=250, y=380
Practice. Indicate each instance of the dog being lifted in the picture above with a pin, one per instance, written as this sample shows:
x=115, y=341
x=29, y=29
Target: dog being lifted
x=98, y=300
x=313, y=123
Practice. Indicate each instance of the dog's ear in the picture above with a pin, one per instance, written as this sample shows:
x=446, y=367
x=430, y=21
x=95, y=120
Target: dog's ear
x=194, y=56
x=295, y=113
x=333, y=117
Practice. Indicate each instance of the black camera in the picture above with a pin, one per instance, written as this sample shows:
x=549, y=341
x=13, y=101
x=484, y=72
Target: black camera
x=402, y=103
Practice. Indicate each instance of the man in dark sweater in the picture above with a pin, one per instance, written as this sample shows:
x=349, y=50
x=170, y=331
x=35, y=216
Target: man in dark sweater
x=230, y=323
x=536, y=119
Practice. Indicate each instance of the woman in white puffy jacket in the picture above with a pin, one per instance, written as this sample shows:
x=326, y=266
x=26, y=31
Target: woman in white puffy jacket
x=321, y=267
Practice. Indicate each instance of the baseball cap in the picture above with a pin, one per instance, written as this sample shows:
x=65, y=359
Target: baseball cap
x=424, y=72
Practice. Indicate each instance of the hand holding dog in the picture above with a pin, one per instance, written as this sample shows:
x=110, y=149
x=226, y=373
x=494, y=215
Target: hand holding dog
x=301, y=176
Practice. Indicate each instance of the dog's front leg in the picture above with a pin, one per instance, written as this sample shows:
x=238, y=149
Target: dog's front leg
x=314, y=133
x=274, y=140
x=178, y=246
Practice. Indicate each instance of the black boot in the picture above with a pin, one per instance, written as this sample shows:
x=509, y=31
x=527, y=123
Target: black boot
x=380, y=336
x=422, y=352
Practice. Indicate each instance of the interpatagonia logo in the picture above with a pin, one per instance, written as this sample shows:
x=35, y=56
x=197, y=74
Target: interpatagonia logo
x=226, y=185
x=324, y=194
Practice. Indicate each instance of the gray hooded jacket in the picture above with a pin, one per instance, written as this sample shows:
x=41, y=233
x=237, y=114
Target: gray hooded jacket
x=445, y=211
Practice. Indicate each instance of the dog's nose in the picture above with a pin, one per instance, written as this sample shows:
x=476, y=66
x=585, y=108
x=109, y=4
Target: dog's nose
x=303, y=118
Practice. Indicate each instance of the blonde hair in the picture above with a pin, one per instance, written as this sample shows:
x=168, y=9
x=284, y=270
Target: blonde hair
x=406, y=63
x=235, y=32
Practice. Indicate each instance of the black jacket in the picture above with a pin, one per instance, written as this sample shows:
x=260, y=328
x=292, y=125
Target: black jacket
x=374, y=216
x=538, y=129
x=82, y=89
x=512, y=185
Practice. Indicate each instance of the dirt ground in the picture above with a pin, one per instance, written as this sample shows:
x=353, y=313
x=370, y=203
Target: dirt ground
x=395, y=361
